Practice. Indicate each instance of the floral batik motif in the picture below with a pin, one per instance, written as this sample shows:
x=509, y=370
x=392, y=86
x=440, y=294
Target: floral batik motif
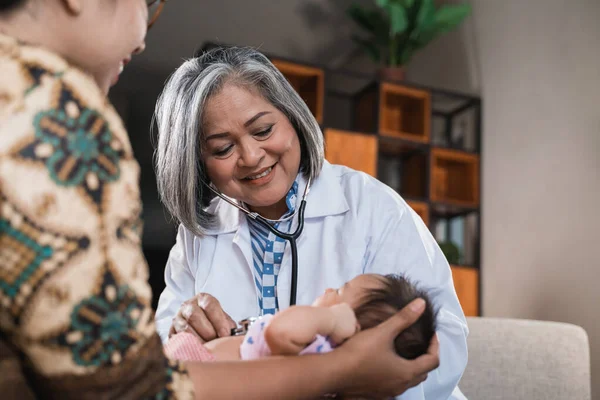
x=103, y=326
x=76, y=145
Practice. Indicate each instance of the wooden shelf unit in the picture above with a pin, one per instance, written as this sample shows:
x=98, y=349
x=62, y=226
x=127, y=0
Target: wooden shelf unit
x=308, y=81
x=391, y=129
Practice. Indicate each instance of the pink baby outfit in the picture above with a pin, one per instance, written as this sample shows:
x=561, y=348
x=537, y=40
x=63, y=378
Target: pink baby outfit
x=255, y=346
x=186, y=346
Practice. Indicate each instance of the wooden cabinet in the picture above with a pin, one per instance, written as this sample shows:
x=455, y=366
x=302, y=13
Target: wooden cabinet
x=341, y=148
x=466, y=283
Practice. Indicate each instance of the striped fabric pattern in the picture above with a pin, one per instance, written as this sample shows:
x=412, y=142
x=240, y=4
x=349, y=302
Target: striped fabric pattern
x=267, y=254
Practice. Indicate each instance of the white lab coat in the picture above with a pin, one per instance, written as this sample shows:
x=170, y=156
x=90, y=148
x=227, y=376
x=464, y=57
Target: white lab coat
x=354, y=224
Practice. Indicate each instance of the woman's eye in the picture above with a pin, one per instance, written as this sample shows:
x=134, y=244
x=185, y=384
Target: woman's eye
x=222, y=152
x=265, y=132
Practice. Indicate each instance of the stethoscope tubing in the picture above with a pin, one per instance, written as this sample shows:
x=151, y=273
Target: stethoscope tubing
x=290, y=237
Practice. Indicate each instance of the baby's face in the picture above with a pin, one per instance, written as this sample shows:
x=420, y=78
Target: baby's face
x=351, y=293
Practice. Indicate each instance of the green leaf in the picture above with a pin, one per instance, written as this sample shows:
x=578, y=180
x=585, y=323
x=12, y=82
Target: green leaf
x=406, y=56
x=449, y=17
x=382, y=3
x=446, y=19
x=372, y=21
x=362, y=17
x=398, y=19
x=369, y=47
x=423, y=38
x=426, y=15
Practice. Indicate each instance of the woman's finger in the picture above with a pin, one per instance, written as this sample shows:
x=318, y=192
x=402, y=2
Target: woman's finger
x=430, y=360
x=180, y=324
x=417, y=380
x=199, y=322
x=404, y=318
x=219, y=319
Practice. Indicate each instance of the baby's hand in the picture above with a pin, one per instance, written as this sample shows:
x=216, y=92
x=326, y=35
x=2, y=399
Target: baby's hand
x=346, y=324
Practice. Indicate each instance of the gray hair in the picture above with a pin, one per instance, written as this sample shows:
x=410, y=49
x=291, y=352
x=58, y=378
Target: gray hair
x=180, y=170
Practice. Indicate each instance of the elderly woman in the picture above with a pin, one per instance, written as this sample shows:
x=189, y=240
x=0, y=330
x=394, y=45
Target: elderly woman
x=75, y=316
x=232, y=129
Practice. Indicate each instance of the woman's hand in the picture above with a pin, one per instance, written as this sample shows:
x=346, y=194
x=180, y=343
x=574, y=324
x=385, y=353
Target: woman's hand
x=374, y=370
x=203, y=316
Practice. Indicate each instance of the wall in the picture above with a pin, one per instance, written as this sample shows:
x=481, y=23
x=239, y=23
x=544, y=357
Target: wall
x=536, y=65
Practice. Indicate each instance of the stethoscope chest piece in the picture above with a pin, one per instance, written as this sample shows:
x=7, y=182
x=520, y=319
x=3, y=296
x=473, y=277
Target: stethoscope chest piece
x=243, y=326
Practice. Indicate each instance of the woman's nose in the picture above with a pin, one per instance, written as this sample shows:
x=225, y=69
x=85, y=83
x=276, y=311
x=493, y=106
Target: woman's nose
x=250, y=155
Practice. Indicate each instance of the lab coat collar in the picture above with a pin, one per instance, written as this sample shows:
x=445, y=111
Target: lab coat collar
x=326, y=197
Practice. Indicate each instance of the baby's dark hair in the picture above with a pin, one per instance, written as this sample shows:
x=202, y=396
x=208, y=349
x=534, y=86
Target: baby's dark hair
x=395, y=293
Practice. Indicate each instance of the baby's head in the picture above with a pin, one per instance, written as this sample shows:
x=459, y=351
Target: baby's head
x=376, y=298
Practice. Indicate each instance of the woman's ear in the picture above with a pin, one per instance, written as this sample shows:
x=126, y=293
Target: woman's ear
x=74, y=7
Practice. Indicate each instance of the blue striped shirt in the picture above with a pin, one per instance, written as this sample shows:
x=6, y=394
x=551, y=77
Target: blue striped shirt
x=267, y=253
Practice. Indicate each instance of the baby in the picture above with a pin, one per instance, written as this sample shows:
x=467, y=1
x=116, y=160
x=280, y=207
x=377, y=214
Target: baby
x=361, y=303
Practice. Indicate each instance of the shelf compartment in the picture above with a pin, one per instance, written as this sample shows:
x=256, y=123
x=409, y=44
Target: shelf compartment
x=466, y=284
x=457, y=231
x=308, y=81
x=402, y=165
x=341, y=148
x=404, y=112
x=455, y=122
x=454, y=177
x=394, y=110
x=421, y=208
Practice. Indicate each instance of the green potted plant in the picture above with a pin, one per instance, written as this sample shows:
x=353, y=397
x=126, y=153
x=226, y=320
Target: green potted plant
x=451, y=251
x=396, y=29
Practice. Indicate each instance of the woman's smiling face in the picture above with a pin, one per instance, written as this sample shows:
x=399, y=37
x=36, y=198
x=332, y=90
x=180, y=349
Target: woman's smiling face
x=251, y=150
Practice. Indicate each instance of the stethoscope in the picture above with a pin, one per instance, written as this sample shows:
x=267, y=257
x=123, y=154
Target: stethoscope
x=290, y=237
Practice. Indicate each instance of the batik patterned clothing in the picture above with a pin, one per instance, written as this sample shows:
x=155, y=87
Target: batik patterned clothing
x=75, y=302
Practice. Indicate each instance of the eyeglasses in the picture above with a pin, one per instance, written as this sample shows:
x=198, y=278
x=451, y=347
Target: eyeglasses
x=154, y=9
